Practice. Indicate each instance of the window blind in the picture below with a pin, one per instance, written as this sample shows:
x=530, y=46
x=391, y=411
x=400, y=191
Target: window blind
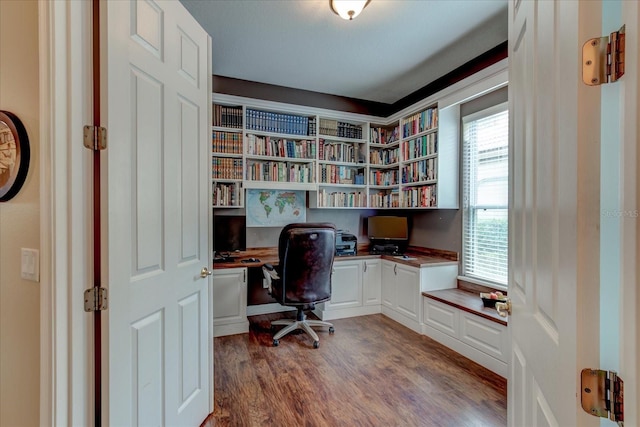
x=485, y=195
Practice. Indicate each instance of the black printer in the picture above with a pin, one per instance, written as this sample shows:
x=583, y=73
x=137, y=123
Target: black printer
x=346, y=243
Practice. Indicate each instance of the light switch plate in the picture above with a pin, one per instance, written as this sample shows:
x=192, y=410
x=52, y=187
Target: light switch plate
x=30, y=264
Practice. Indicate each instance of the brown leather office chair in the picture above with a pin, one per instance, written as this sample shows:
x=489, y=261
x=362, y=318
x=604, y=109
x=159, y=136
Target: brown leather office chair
x=303, y=275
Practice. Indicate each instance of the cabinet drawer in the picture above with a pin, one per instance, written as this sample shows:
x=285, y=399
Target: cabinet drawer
x=484, y=335
x=441, y=317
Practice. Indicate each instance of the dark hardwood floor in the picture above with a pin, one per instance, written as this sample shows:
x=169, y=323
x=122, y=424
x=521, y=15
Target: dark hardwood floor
x=371, y=372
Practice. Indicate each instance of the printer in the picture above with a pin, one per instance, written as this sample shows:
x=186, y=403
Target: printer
x=346, y=243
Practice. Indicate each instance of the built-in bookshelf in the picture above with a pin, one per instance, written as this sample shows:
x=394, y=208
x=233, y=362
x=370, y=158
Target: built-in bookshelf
x=227, y=165
x=344, y=163
x=279, y=152
x=384, y=163
x=419, y=159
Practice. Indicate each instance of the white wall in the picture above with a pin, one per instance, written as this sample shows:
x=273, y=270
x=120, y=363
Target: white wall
x=19, y=222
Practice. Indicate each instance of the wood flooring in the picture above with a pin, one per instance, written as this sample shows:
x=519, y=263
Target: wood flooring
x=371, y=372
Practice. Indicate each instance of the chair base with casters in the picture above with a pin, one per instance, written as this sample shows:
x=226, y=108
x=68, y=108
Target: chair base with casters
x=301, y=322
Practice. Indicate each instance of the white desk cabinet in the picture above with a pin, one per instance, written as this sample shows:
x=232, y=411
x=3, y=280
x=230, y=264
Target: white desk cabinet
x=402, y=287
x=346, y=285
x=229, y=301
x=371, y=281
x=355, y=289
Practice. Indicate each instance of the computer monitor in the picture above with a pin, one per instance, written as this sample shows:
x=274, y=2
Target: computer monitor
x=388, y=228
x=229, y=234
x=388, y=234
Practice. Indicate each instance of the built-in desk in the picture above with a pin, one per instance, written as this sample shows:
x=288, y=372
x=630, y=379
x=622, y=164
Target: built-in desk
x=364, y=283
x=420, y=291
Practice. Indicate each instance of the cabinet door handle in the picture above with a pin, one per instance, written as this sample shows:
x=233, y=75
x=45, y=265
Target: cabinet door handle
x=244, y=276
x=395, y=269
x=364, y=266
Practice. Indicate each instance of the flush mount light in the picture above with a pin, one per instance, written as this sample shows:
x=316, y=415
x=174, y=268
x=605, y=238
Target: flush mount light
x=348, y=9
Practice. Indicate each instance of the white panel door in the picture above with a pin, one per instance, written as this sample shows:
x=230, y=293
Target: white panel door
x=408, y=291
x=346, y=285
x=157, y=188
x=388, y=291
x=371, y=281
x=553, y=242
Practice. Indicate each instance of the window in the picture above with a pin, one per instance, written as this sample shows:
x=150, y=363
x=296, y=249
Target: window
x=485, y=203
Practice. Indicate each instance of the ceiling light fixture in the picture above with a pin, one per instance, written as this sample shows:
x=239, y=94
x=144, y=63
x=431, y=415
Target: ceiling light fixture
x=348, y=9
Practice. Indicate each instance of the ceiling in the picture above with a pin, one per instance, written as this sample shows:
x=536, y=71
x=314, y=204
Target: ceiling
x=392, y=49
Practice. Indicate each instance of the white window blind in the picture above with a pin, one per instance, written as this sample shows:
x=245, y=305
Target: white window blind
x=485, y=195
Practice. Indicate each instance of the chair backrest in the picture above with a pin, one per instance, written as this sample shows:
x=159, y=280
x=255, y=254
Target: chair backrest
x=306, y=252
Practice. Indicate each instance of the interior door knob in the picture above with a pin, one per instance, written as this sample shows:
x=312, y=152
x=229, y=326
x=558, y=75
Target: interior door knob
x=205, y=272
x=504, y=308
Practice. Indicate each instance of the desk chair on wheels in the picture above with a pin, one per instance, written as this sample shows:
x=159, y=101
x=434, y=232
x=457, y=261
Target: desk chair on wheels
x=303, y=275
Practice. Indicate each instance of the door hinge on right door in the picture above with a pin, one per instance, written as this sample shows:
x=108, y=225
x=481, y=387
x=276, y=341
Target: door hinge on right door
x=603, y=394
x=603, y=59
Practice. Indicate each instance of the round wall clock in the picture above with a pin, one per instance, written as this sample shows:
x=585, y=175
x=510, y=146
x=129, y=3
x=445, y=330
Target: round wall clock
x=14, y=155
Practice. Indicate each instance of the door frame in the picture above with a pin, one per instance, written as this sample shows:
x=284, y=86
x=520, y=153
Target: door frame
x=66, y=367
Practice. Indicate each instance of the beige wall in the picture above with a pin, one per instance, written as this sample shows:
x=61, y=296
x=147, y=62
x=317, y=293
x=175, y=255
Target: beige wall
x=19, y=222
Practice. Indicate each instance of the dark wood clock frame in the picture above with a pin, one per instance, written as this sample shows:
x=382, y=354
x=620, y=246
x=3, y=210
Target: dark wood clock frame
x=14, y=148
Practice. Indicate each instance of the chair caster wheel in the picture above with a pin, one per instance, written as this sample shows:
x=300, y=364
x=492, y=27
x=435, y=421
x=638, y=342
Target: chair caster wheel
x=316, y=344
x=276, y=342
x=332, y=330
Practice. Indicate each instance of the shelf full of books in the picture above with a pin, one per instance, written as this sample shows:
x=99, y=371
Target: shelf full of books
x=228, y=194
x=419, y=159
x=274, y=122
x=343, y=162
x=226, y=161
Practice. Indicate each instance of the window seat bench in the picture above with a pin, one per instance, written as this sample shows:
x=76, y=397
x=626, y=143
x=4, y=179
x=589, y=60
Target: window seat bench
x=457, y=319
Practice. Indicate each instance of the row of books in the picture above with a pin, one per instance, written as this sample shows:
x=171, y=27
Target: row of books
x=383, y=177
x=419, y=197
x=280, y=147
x=423, y=170
x=279, y=172
x=229, y=117
x=421, y=146
x=227, y=194
x=332, y=174
x=226, y=142
x=420, y=122
x=340, y=129
x=384, y=200
x=266, y=121
x=379, y=156
x=226, y=168
x=380, y=135
x=338, y=199
x=340, y=152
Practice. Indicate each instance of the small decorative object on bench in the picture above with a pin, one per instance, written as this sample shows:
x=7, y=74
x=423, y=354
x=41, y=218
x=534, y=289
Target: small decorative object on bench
x=489, y=299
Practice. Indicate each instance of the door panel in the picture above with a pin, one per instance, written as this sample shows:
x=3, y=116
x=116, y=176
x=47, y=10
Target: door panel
x=553, y=213
x=346, y=287
x=157, y=209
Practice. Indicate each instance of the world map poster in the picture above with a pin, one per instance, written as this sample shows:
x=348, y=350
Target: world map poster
x=275, y=208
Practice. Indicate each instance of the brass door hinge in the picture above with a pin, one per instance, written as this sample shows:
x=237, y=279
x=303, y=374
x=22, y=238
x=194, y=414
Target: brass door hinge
x=603, y=59
x=603, y=394
x=96, y=299
x=95, y=137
